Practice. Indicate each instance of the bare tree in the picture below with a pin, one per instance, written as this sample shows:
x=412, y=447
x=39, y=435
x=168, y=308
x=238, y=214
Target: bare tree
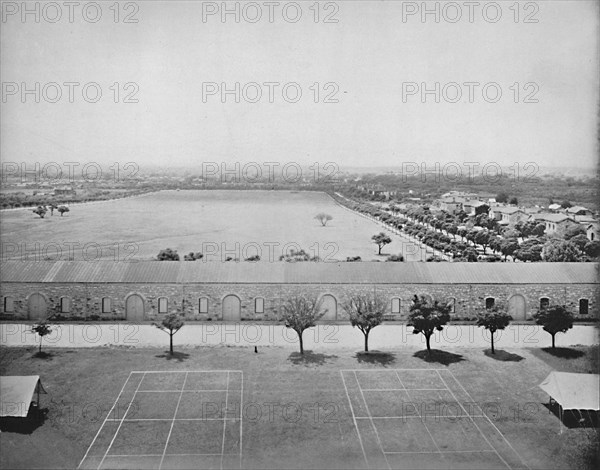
x=323, y=218
x=171, y=324
x=366, y=312
x=300, y=313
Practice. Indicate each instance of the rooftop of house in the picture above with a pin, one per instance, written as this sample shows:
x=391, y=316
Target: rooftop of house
x=556, y=218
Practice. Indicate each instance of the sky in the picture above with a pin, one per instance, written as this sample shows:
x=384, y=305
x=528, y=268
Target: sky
x=380, y=84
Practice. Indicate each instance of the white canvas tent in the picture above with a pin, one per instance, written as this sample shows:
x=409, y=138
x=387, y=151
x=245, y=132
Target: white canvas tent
x=573, y=391
x=16, y=394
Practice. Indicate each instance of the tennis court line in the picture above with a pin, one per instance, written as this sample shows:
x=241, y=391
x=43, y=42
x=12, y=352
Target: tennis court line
x=490, y=421
x=372, y=423
x=172, y=422
x=474, y=423
x=354, y=419
x=121, y=423
x=105, y=420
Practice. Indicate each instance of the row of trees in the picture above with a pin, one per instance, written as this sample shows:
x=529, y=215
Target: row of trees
x=367, y=312
x=525, y=241
x=426, y=317
x=43, y=210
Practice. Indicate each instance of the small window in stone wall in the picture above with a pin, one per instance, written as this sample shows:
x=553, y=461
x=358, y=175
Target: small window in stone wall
x=452, y=305
x=163, y=305
x=106, y=305
x=259, y=305
x=490, y=302
x=9, y=305
x=395, y=305
x=65, y=305
x=584, y=305
x=203, y=305
x=544, y=303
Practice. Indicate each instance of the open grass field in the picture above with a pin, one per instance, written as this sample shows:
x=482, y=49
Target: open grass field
x=141, y=408
x=236, y=224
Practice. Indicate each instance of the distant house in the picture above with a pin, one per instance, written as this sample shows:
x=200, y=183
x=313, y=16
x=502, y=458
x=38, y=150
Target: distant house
x=554, y=207
x=64, y=191
x=592, y=232
x=555, y=223
x=451, y=205
x=459, y=194
x=475, y=207
x=578, y=210
x=508, y=215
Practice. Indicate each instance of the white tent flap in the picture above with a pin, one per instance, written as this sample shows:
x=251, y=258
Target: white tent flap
x=573, y=391
x=16, y=393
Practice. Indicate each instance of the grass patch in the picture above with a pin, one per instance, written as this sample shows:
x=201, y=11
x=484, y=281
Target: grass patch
x=581, y=359
x=316, y=430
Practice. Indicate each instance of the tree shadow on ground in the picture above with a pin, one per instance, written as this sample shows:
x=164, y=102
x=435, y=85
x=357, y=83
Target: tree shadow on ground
x=176, y=356
x=43, y=355
x=574, y=418
x=440, y=357
x=565, y=353
x=375, y=357
x=503, y=356
x=35, y=418
x=310, y=358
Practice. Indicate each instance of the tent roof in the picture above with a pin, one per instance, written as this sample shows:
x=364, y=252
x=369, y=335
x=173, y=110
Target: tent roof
x=16, y=393
x=573, y=391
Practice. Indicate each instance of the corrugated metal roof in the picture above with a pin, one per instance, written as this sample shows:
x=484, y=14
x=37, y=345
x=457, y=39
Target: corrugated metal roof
x=153, y=272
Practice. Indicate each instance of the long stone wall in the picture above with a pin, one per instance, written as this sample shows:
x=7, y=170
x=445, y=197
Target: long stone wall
x=86, y=298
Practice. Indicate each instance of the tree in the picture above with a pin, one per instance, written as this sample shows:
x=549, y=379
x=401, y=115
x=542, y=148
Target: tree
x=514, y=201
x=63, y=209
x=452, y=229
x=191, y=256
x=580, y=241
x=482, y=238
x=167, y=255
x=381, y=239
x=425, y=317
x=554, y=319
x=52, y=207
x=592, y=249
x=560, y=251
x=566, y=204
x=323, y=218
x=292, y=256
x=538, y=230
x=502, y=197
x=493, y=319
x=171, y=324
x=511, y=233
x=573, y=231
x=42, y=329
x=470, y=255
x=508, y=246
x=40, y=210
x=300, y=313
x=365, y=313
